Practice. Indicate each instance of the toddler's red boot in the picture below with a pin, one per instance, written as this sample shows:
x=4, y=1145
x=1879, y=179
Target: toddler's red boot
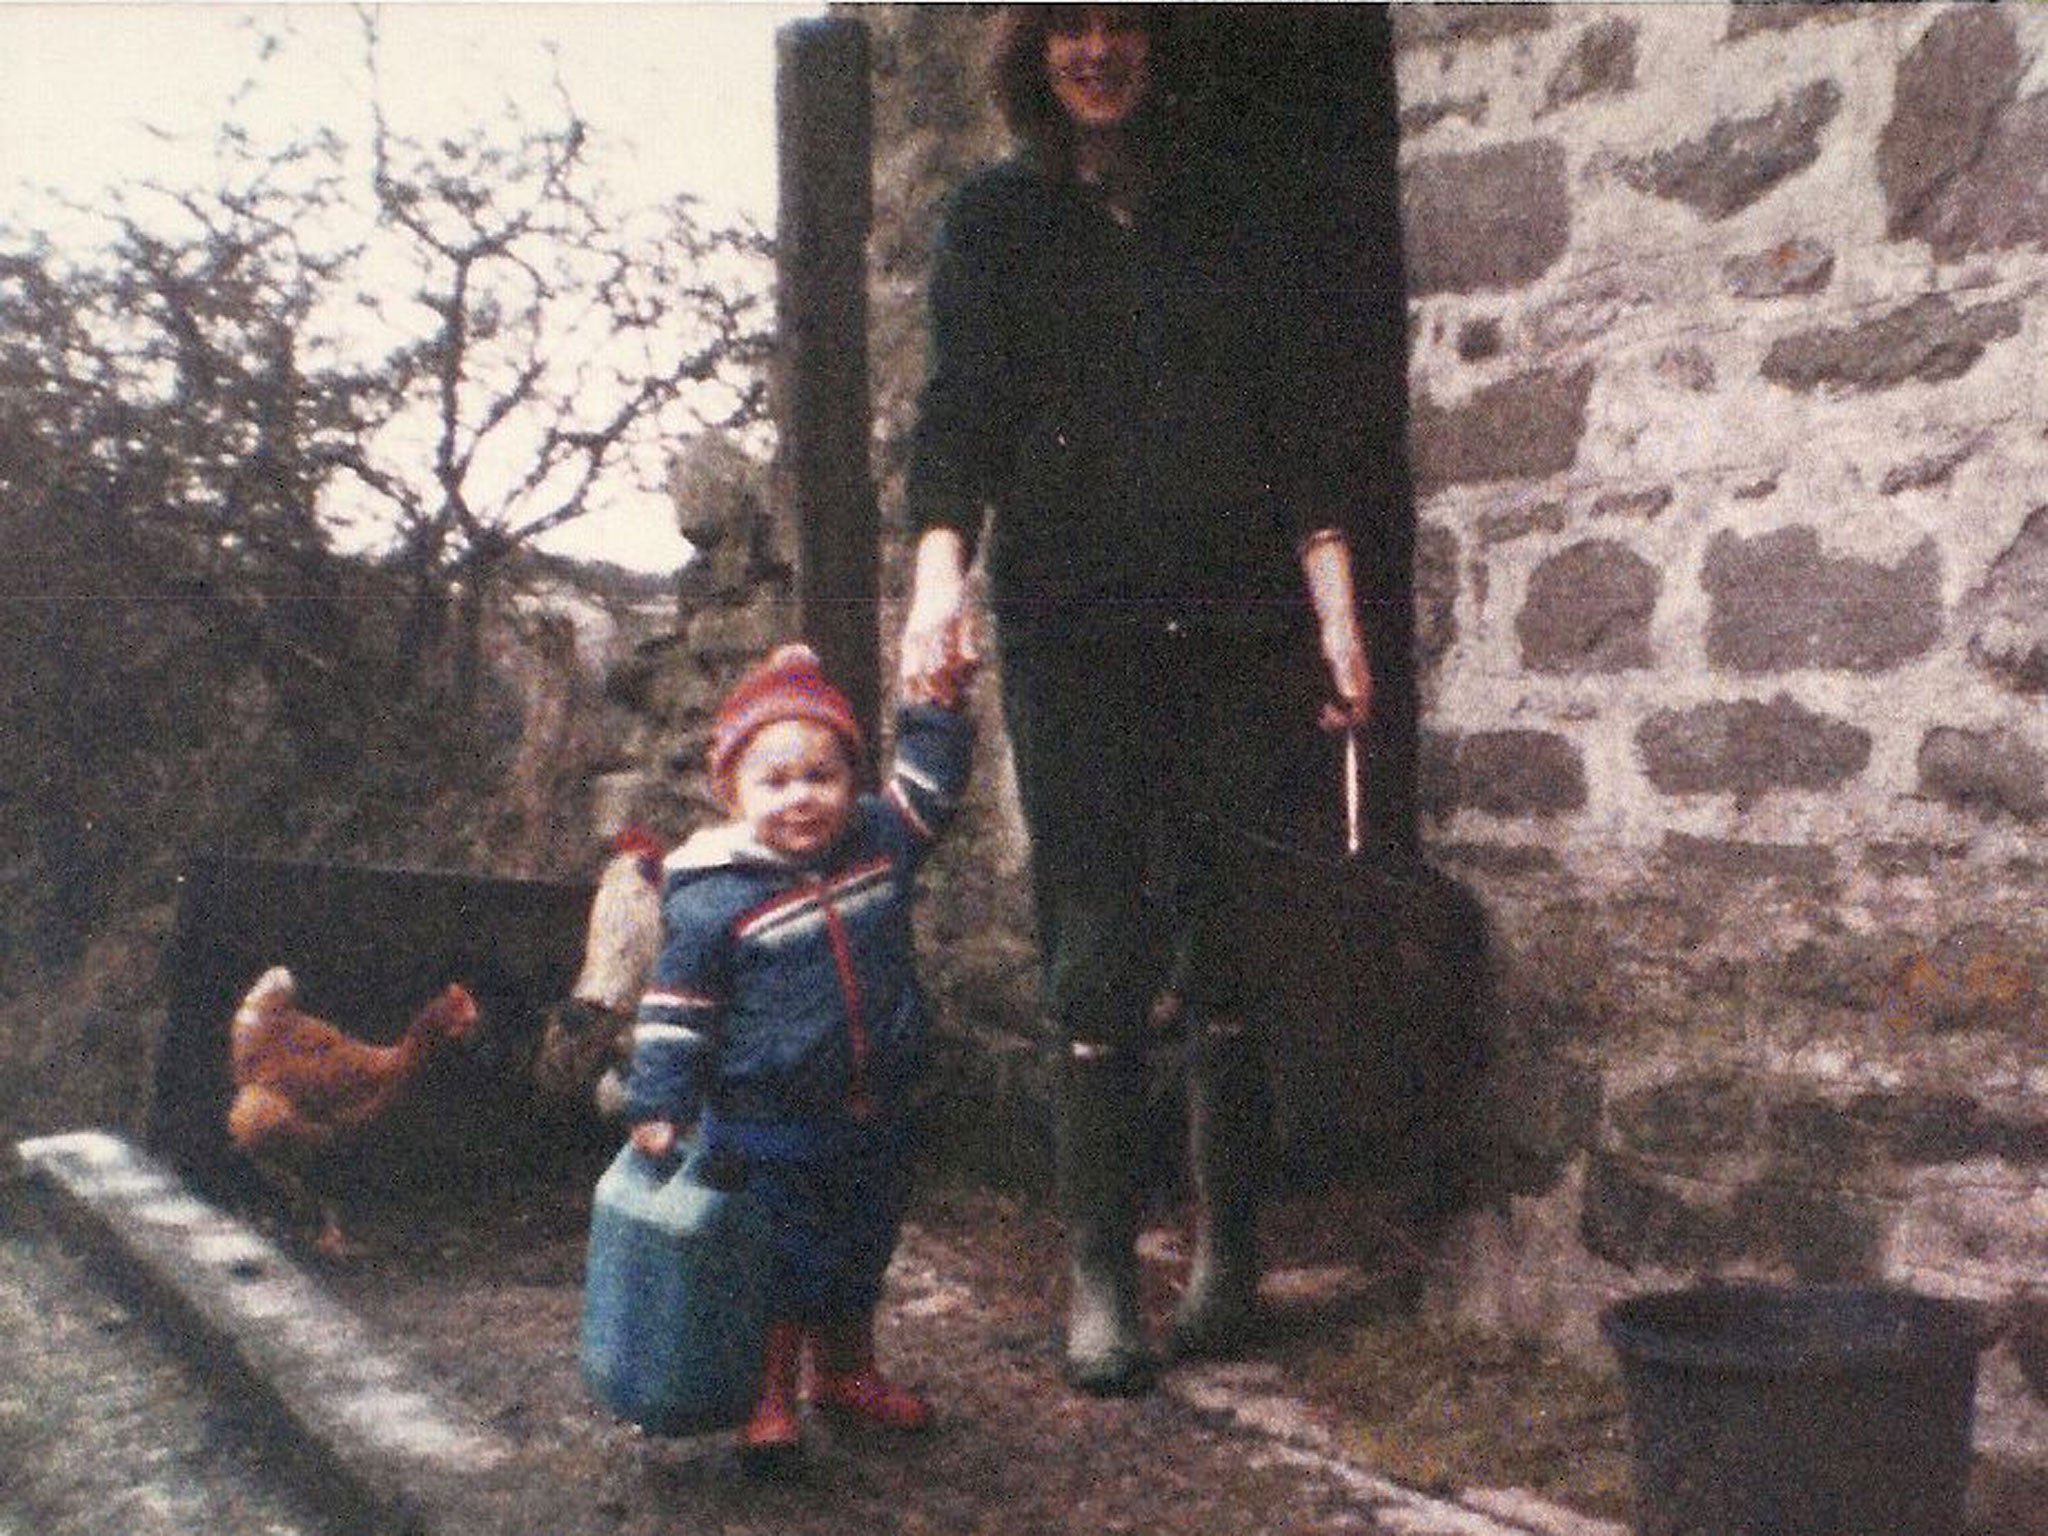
x=843, y=1378
x=768, y=1441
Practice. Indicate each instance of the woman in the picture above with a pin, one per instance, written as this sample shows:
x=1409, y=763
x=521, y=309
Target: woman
x=1120, y=372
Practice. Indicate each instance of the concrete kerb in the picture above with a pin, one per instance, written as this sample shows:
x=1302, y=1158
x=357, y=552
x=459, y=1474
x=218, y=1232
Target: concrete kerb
x=391, y=1458
x=399, y=1463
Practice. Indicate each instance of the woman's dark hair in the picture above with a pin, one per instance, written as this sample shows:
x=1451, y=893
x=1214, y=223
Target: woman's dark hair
x=1024, y=95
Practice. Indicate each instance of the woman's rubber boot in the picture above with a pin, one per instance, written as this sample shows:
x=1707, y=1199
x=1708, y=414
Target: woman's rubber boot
x=1100, y=1135
x=1227, y=1111
x=841, y=1377
x=769, y=1440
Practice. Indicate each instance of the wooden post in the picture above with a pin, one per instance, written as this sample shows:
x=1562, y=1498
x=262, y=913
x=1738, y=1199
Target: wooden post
x=823, y=413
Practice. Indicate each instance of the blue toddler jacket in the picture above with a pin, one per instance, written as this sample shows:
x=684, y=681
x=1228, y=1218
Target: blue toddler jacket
x=786, y=992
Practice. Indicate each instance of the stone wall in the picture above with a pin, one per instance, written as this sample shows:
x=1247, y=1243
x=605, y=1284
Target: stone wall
x=1732, y=618
x=1725, y=338
x=736, y=600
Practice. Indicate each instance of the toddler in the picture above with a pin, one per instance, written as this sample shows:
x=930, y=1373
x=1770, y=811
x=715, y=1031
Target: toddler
x=783, y=1012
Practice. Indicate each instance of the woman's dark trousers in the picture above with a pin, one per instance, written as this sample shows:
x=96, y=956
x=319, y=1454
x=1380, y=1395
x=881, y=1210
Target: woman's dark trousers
x=1139, y=751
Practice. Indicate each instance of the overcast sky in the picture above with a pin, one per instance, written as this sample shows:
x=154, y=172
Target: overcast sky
x=680, y=98
x=691, y=86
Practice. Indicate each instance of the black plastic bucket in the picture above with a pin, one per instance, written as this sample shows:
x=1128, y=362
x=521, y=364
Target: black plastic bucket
x=1798, y=1410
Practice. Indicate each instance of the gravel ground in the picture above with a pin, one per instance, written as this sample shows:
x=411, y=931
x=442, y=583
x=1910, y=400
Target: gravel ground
x=1351, y=1413
x=489, y=1302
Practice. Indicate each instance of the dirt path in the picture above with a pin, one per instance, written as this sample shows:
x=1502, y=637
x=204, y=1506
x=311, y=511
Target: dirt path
x=968, y=1318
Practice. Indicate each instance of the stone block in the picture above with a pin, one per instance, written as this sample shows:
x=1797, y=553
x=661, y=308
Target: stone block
x=1658, y=920
x=1929, y=470
x=1976, y=976
x=1746, y=18
x=1520, y=428
x=721, y=490
x=1842, y=971
x=1823, y=1234
x=1461, y=24
x=1780, y=605
x=1436, y=594
x=1891, y=858
x=1790, y=267
x=1641, y=505
x=1994, y=772
x=1711, y=1115
x=1820, y=1135
x=631, y=682
x=729, y=569
x=1748, y=748
x=2001, y=204
x=1600, y=62
x=1479, y=340
x=1911, y=1127
x=1520, y=773
x=1951, y=89
x=1563, y=993
x=1928, y=341
x=1733, y=858
x=1632, y=1220
x=1519, y=522
x=1583, y=315
x=1821, y=1231
x=1929, y=1127
x=2007, y=615
x=1494, y=218
x=1588, y=610
x=1738, y=160
x=1423, y=116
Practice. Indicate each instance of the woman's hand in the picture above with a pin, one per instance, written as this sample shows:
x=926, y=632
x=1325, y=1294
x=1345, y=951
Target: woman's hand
x=1326, y=566
x=938, y=655
x=1350, y=676
x=654, y=1138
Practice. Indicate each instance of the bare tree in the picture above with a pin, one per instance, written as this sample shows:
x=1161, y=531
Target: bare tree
x=551, y=351
x=459, y=345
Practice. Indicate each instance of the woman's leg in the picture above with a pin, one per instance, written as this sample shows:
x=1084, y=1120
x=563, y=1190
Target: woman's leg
x=1253, y=758
x=1227, y=1110
x=1099, y=1169
x=1086, y=750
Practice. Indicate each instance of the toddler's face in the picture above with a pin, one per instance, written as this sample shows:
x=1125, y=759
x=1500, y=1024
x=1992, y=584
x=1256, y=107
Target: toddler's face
x=793, y=787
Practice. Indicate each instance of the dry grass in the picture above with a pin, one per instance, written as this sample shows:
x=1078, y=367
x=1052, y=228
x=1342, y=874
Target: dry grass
x=1444, y=1406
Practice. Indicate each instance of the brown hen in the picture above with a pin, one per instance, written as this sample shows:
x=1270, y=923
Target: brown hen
x=305, y=1089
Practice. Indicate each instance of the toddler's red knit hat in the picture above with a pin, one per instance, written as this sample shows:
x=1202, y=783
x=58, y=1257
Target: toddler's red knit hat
x=789, y=685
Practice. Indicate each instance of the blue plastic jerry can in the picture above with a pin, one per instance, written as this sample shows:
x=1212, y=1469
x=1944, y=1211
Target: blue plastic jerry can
x=675, y=1295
